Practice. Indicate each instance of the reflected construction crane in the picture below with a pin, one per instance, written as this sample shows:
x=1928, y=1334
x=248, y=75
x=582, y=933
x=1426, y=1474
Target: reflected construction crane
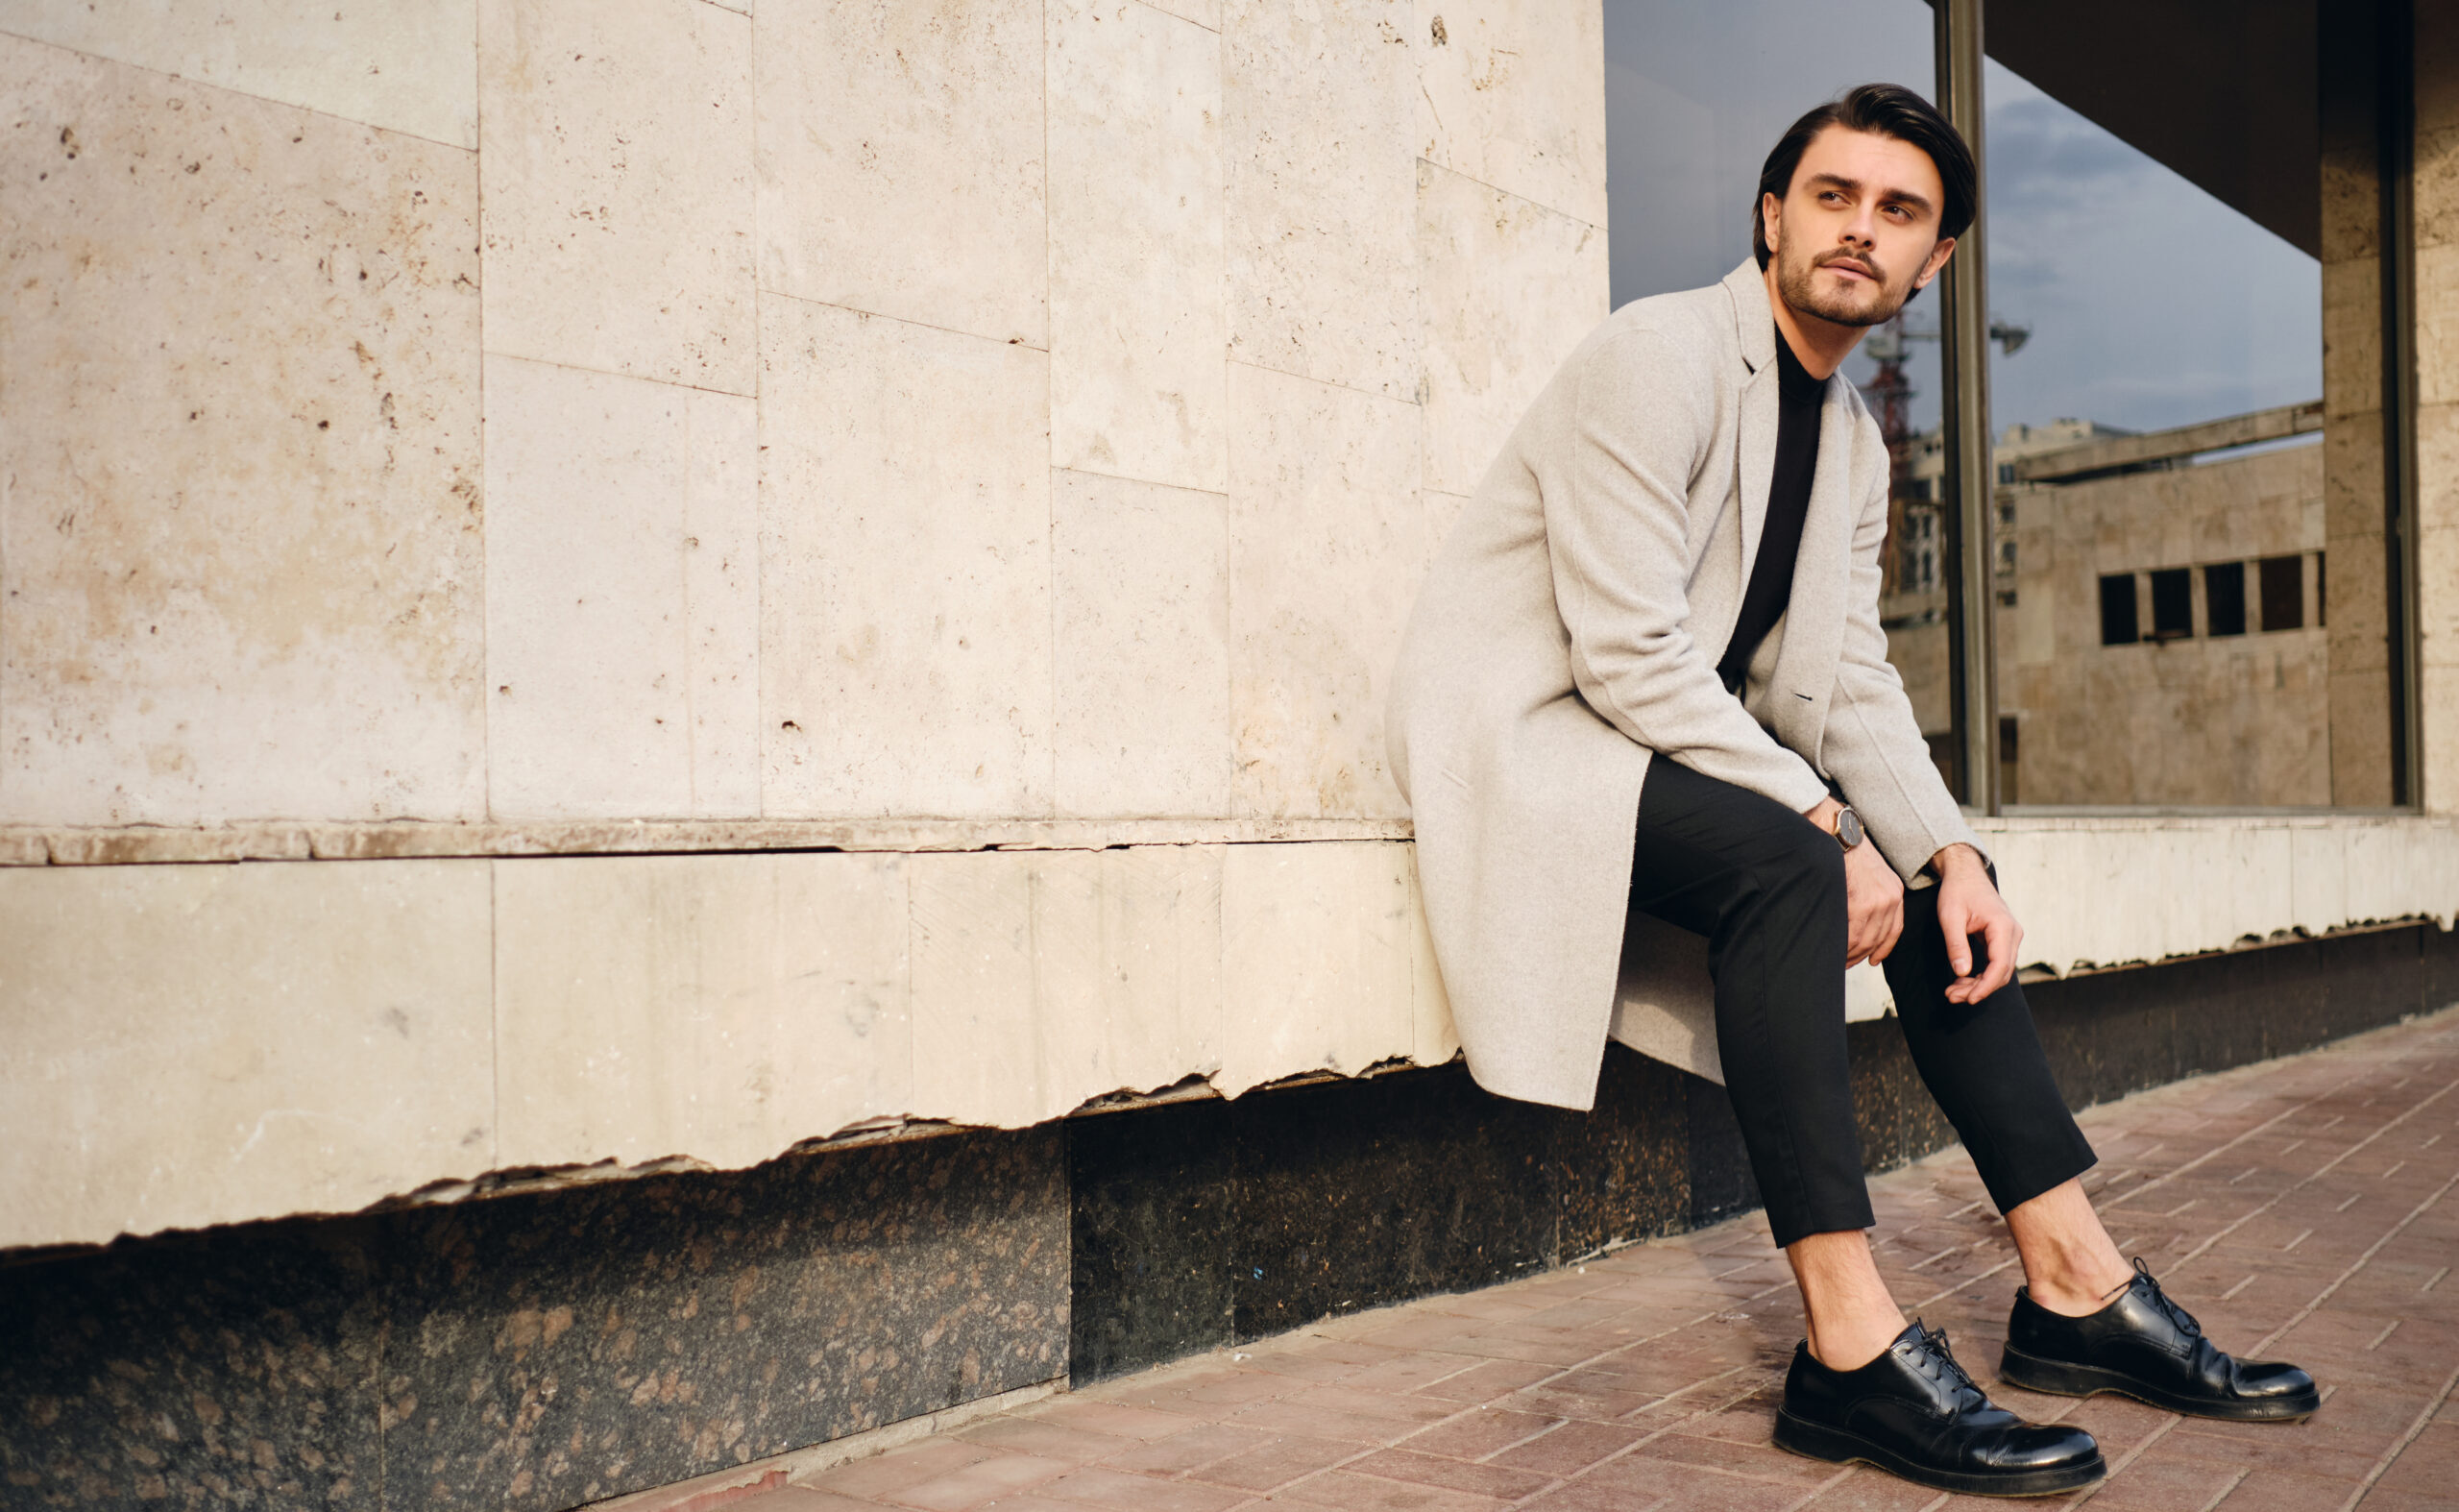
x=1911, y=562
x=1891, y=392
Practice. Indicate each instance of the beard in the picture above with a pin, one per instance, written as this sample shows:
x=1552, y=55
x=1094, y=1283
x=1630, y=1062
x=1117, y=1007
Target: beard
x=1865, y=304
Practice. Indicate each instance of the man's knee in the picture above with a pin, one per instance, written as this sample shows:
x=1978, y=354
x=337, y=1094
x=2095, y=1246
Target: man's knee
x=1805, y=869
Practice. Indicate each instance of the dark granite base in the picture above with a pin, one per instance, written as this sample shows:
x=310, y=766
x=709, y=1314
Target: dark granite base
x=561, y=1349
x=530, y=1353
x=1625, y=1171
x=1352, y=1193
x=234, y=1368
x=1154, y=1236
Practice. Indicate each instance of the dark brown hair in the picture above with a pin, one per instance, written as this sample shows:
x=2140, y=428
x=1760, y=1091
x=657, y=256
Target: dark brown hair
x=1885, y=110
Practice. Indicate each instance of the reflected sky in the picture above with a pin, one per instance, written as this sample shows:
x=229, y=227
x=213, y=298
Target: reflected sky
x=2151, y=304
x=1698, y=93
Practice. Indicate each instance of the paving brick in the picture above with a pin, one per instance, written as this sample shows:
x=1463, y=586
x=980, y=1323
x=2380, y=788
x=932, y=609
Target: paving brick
x=1570, y=1449
x=1277, y=1461
x=1188, y=1451
x=1352, y=1493
x=1040, y=1436
x=1098, y=1487
x=1116, y=1419
x=1483, y=1380
x=978, y=1484
x=899, y=1468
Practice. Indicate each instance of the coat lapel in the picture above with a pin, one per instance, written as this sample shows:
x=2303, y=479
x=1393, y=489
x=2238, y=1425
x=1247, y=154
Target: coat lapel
x=1822, y=582
x=1755, y=438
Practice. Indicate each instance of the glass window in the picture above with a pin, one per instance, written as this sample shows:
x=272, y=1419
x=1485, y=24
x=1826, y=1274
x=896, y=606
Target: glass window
x=2176, y=226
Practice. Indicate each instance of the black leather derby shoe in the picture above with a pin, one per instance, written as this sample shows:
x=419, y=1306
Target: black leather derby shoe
x=1913, y=1413
x=2144, y=1346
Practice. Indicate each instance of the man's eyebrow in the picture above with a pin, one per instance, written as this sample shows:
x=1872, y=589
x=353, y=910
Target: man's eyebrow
x=1837, y=180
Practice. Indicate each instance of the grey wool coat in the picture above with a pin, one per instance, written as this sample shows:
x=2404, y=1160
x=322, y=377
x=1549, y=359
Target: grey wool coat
x=1567, y=635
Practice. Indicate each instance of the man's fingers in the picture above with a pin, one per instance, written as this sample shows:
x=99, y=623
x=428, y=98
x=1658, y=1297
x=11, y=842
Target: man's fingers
x=2001, y=937
x=1953, y=922
x=1895, y=932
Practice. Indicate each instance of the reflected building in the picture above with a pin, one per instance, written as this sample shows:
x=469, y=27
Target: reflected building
x=2159, y=601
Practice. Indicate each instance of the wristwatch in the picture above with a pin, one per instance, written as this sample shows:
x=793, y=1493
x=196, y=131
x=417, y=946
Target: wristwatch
x=1848, y=828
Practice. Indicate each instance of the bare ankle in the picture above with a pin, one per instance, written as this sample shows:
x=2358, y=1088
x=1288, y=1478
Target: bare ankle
x=2071, y=1266
x=1852, y=1319
x=1850, y=1345
x=2070, y=1296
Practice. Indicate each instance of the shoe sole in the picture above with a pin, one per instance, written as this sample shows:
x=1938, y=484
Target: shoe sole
x=1836, y=1447
x=2058, y=1378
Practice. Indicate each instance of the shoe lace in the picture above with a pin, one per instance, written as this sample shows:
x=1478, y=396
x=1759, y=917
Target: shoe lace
x=1936, y=1360
x=2167, y=1304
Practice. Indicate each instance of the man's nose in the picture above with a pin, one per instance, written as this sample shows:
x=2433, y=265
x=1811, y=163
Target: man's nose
x=1861, y=231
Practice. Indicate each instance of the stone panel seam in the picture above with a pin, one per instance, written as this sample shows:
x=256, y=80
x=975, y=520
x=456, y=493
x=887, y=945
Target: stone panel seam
x=1050, y=500
x=872, y=314
x=1550, y=210
x=506, y=355
x=1309, y=378
x=486, y=515
x=107, y=61
x=759, y=407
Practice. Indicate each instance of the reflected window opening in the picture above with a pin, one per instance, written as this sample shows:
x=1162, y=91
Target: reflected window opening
x=2172, y=604
x=2224, y=598
x=2283, y=591
x=2117, y=610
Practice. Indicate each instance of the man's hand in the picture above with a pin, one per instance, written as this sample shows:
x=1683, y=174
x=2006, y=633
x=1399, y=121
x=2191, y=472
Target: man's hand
x=1969, y=905
x=1873, y=895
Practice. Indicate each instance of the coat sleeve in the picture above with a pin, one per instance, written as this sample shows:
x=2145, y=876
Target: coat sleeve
x=1615, y=530
x=1873, y=744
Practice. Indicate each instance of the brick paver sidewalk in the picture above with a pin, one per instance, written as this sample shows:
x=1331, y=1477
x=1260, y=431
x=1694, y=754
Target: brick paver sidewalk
x=2298, y=1206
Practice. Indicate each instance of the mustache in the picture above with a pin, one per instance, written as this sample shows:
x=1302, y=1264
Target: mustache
x=1850, y=259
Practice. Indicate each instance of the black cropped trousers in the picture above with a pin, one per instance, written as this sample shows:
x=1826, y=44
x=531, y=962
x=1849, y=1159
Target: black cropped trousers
x=1767, y=890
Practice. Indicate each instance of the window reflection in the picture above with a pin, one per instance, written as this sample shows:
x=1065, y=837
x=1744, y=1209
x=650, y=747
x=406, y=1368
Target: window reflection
x=2159, y=225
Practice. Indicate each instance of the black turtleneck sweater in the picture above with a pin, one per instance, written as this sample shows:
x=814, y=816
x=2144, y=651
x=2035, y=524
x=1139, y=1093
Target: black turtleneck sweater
x=1798, y=396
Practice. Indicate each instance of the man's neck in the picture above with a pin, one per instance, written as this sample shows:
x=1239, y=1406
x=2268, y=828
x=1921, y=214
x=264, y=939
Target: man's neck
x=1821, y=346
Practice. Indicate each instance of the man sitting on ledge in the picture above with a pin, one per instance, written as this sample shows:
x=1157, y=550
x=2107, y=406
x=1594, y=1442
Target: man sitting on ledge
x=1646, y=676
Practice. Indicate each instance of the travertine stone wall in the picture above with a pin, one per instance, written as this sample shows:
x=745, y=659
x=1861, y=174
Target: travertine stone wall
x=646, y=408
x=2436, y=214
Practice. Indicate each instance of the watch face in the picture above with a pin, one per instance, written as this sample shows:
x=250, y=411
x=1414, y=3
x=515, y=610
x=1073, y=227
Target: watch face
x=1848, y=828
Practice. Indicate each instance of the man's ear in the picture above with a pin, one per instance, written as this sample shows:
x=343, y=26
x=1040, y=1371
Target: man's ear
x=1937, y=259
x=1771, y=211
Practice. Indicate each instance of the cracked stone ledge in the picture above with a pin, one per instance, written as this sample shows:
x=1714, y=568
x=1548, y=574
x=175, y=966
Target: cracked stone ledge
x=39, y=846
